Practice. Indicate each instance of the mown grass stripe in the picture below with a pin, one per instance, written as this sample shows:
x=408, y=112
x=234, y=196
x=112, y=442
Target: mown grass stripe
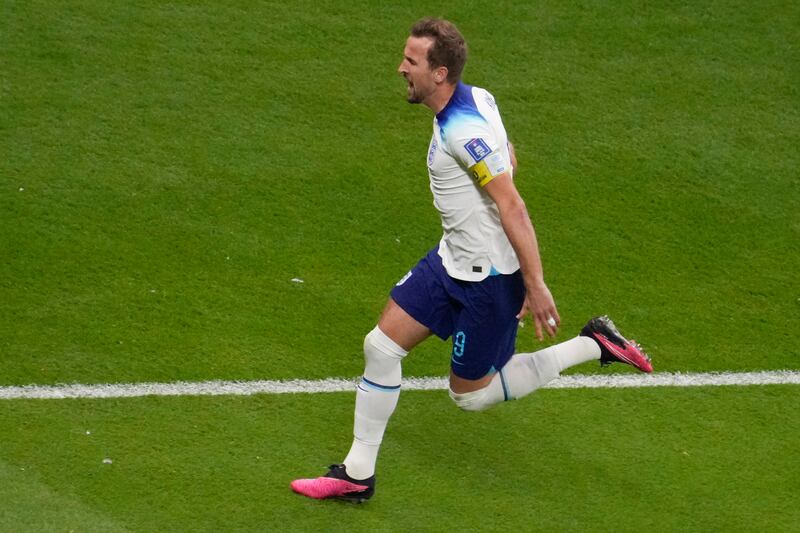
x=302, y=386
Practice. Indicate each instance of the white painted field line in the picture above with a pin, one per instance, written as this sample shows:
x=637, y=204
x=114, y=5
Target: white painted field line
x=298, y=386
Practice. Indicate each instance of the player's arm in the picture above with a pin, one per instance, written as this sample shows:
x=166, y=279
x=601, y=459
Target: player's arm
x=490, y=168
x=512, y=154
x=519, y=229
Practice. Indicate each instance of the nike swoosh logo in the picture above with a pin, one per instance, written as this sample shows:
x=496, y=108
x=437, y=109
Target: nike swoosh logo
x=613, y=348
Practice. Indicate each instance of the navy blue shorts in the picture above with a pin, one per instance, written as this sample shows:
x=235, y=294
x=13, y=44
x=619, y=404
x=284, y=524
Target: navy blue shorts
x=481, y=317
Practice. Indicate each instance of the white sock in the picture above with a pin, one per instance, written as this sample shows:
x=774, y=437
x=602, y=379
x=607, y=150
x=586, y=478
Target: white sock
x=376, y=398
x=526, y=372
x=574, y=352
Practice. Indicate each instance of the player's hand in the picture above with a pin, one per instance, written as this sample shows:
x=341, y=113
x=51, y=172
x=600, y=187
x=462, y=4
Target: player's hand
x=540, y=304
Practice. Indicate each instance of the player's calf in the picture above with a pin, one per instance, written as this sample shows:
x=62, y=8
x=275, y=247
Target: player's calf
x=523, y=374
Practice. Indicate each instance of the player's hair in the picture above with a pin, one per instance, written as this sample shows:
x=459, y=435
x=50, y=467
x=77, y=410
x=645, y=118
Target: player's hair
x=449, y=48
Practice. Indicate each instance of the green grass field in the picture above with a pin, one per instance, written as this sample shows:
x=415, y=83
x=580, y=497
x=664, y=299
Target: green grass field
x=167, y=169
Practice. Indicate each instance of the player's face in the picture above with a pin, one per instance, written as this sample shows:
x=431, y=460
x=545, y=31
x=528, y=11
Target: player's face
x=416, y=70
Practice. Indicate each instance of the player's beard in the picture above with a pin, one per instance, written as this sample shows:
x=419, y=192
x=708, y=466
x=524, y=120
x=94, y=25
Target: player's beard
x=413, y=96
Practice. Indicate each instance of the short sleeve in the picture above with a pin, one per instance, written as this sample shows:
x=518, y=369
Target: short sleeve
x=474, y=146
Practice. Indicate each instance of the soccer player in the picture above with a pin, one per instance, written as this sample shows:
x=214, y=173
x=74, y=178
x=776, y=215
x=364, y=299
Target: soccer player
x=476, y=285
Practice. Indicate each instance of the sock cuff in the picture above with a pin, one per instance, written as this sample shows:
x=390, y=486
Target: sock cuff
x=591, y=345
x=468, y=400
x=385, y=344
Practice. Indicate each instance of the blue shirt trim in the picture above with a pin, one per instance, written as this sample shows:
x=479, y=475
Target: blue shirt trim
x=461, y=105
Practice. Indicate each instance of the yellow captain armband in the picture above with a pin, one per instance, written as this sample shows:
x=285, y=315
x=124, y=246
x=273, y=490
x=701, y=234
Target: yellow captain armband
x=489, y=168
x=481, y=173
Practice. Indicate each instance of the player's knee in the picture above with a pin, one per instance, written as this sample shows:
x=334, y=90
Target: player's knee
x=471, y=401
x=382, y=357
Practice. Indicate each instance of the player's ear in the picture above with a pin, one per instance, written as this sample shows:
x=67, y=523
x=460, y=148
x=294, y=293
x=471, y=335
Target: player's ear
x=440, y=74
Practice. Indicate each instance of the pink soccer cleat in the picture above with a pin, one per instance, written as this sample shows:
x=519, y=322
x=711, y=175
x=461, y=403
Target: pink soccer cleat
x=614, y=347
x=336, y=484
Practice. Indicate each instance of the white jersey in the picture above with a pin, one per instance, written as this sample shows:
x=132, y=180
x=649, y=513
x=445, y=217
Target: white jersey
x=468, y=149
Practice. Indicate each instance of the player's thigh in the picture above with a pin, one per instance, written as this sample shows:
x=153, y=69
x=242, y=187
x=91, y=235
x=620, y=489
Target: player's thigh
x=485, y=331
x=401, y=327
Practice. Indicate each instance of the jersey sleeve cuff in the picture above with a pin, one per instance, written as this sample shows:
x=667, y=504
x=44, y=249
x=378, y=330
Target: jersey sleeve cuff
x=489, y=168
